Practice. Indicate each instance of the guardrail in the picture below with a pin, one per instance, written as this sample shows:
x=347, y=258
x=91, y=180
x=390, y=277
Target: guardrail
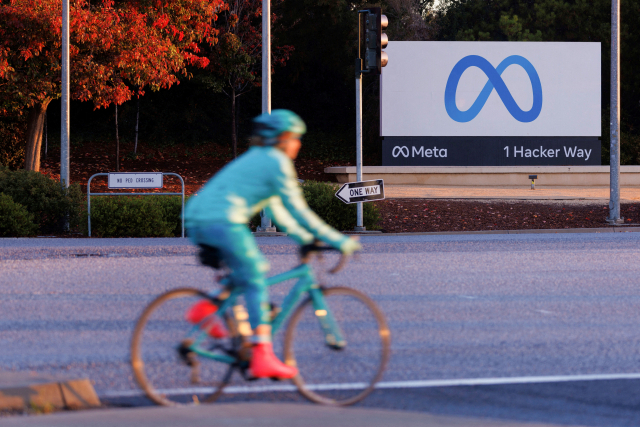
x=89, y=194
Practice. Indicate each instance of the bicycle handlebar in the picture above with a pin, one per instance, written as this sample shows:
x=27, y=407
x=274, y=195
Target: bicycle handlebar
x=307, y=250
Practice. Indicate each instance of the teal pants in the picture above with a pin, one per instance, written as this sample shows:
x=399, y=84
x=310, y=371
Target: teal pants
x=248, y=266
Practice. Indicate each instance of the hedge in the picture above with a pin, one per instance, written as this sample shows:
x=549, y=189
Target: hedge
x=136, y=216
x=15, y=220
x=50, y=205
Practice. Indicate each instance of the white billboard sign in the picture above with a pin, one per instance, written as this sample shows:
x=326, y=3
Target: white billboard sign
x=491, y=89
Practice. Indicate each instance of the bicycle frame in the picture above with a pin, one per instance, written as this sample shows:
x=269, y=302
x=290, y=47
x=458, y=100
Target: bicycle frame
x=306, y=285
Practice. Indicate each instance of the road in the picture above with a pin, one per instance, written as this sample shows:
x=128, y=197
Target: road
x=509, y=309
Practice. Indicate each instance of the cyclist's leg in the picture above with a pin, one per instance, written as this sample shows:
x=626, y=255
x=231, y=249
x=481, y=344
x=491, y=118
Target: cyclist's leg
x=241, y=254
x=248, y=266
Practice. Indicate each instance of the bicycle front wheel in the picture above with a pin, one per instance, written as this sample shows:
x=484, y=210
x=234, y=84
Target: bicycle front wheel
x=164, y=367
x=344, y=372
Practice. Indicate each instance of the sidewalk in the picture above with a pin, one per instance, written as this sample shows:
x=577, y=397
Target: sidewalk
x=627, y=194
x=250, y=415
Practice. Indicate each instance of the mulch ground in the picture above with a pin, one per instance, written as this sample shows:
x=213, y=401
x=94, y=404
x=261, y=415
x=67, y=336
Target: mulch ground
x=422, y=215
x=197, y=164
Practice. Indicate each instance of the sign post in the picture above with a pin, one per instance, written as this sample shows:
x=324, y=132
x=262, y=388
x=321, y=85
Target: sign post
x=362, y=191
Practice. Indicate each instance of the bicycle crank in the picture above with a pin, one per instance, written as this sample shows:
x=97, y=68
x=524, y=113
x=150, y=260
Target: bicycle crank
x=190, y=359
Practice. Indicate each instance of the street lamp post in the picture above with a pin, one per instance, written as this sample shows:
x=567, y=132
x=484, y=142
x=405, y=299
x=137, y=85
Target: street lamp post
x=64, y=137
x=614, y=148
x=265, y=221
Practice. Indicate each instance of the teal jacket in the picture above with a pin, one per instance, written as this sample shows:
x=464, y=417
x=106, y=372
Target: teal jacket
x=261, y=178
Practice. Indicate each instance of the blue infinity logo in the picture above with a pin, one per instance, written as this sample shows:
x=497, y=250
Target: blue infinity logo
x=495, y=81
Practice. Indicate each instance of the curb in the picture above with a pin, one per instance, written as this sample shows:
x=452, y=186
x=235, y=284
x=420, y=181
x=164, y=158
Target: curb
x=612, y=229
x=29, y=391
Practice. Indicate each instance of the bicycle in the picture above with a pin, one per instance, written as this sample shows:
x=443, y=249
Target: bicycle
x=175, y=362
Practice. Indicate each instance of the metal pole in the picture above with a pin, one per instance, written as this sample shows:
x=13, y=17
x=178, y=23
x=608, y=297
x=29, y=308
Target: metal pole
x=359, y=215
x=266, y=56
x=614, y=169
x=265, y=221
x=64, y=137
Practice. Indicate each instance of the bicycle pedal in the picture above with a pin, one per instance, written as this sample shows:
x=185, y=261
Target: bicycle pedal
x=186, y=355
x=336, y=347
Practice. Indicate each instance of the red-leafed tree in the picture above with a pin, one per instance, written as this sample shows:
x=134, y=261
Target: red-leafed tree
x=114, y=47
x=236, y=60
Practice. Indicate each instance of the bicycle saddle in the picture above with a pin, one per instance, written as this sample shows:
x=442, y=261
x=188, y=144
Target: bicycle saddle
x=210, y=256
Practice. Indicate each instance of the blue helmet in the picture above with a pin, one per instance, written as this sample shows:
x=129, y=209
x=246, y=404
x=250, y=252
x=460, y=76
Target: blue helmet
x=269, y=126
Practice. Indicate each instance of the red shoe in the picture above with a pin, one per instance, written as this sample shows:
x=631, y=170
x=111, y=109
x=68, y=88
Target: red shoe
x=265, y=364
x=200, y=311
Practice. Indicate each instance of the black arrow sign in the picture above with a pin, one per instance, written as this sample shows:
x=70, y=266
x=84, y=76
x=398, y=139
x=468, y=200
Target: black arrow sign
x=363, y=191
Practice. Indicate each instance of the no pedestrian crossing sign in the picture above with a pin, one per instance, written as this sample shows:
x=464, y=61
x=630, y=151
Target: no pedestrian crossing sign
x=363, y=191
x=135, y=179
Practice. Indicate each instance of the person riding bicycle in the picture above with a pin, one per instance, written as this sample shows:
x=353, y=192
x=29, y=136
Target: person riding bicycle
x=217, y=216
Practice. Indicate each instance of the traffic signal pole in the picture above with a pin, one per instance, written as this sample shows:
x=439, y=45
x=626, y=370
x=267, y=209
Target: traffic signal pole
x=374, y=60
x=359, y=215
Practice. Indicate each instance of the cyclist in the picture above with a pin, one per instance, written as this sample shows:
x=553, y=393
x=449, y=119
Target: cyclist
x=262, y=178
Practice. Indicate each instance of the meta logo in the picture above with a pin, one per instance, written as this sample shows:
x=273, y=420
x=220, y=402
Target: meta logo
x=418, y=151
x=495, y=82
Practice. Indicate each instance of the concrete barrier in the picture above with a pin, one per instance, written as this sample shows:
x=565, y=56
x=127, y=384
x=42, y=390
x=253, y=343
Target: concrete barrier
x=20, y=391
x=583, y=176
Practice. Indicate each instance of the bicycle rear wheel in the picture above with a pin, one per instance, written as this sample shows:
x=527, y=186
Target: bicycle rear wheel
x=332, y=374
x=162, y=364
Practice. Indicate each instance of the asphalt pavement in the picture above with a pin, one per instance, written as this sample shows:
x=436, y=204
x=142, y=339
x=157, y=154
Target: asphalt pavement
x=538, y=328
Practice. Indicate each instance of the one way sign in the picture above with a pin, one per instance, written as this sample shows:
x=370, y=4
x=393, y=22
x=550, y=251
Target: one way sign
x=364, y=191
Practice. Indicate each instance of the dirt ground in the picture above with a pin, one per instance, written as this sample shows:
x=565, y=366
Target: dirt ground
x=197, y=165
x=423, y=215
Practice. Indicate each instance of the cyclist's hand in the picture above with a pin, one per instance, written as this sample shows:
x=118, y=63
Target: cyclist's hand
x=350, y=245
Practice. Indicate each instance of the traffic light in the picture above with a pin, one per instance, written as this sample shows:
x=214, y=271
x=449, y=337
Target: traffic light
x=375, y=40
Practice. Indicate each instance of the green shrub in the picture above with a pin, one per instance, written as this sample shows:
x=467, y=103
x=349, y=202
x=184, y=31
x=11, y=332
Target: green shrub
x=12, y=136
x=135, y=216
x=44, y=197
x=15, y=220
x=322, y=200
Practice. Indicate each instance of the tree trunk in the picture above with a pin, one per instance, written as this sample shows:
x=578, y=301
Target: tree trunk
x=234, y=136
x=35, y=123
x=135, y=146
x=46, y=137
x=117, y=143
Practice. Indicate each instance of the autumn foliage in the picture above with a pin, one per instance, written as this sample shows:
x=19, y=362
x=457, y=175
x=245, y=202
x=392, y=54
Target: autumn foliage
x=117, y=51
x=236, y=60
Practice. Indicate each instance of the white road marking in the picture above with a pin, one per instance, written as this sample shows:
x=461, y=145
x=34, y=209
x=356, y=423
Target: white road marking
x=386, y=384
x=468, y=297
x=544, y=311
